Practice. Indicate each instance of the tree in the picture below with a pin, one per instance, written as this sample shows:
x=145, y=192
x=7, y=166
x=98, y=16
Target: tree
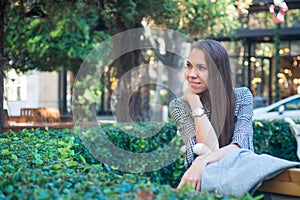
x=50, y=42
x=200, y=19
x=3, y=4
x=60, y=39
x=69, y=30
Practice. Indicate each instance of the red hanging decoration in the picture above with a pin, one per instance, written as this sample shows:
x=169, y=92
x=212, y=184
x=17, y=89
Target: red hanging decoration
x=278, y=17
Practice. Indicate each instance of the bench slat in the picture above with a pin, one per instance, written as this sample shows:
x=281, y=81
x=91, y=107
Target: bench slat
x=295, y=175
x=286, y=183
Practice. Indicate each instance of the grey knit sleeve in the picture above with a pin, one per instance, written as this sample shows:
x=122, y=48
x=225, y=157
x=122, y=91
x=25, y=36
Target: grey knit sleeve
x=243, y=131
x=181, y=113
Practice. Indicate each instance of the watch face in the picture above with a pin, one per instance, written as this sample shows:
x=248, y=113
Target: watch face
x=198, y=112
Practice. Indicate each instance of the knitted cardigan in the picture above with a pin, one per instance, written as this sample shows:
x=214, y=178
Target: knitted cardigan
x=181, y=113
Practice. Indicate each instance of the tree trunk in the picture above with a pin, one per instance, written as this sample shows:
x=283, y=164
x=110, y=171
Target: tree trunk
x=2, y=61
x=174, y=62
x=132, y=103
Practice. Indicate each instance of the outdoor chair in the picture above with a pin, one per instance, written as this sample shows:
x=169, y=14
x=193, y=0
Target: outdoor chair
x=28, y=115
x=40, y=115
x=49, y=115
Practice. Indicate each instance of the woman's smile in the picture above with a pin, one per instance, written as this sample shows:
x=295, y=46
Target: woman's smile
x=194, y=84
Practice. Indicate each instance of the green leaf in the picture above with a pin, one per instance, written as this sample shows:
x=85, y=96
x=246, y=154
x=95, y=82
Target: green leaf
x=36, y=39
x=56, y=33
x=71, y=164
x=9, y=189
x=57, y=166
x=5, y=152
x=83, y=159
x=14, y=157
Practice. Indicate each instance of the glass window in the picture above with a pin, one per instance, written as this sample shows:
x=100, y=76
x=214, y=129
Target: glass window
x=233, y=48
x=15, y=86
x=285, y=49
x=292, y=18
x=293, y=105
x=266, y=49
x=260, y=20
x=264, y=19
x=295, y=48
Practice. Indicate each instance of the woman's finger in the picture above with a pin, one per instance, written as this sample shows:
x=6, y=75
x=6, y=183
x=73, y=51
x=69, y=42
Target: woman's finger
x=182, y=182
x=198, y=186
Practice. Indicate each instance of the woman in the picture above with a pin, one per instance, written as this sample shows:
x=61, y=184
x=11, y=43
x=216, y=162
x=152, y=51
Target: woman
x=211, y=112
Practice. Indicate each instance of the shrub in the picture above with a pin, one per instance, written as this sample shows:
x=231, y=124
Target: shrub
x=54, y=164
x=274, y=138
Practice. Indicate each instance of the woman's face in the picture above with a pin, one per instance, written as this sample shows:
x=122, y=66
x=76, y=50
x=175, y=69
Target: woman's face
x=197, y=71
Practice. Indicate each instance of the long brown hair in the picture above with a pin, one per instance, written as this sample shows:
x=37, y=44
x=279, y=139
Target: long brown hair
x=220, y=89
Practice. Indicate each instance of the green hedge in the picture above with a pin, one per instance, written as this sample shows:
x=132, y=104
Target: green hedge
x=54, y=164
x=275, y=138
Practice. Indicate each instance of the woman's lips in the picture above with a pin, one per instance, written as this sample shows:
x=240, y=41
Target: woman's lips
x=194, y=84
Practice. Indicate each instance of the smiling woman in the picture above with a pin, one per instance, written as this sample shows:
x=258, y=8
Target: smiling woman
x=215, y=122
x=210, y=87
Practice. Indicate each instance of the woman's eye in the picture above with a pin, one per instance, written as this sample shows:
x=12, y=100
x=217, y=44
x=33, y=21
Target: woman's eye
x=201, y=68
x=188, y=65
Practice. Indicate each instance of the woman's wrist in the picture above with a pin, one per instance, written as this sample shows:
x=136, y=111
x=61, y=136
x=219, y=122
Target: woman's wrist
x=195, y=103
x=200, y=160
x=193, y=100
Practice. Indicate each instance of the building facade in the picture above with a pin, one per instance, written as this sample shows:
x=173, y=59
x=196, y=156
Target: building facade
x=265, y=55
x=31, y=90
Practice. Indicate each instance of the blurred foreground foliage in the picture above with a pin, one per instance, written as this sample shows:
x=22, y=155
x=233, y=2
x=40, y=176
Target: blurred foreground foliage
x=55, y=164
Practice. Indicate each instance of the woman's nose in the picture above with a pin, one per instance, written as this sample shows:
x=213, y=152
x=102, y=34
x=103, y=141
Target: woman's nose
x=193, y=73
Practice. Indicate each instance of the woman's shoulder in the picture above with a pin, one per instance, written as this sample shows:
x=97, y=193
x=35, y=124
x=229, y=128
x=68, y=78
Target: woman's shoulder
x=241, y=90
x=176, y=102
x=243, y=93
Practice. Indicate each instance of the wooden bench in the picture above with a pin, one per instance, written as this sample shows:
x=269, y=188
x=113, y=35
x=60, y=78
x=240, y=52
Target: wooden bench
x=40, y=115
x=286, y=185
x=49, y=115
x=28, y=115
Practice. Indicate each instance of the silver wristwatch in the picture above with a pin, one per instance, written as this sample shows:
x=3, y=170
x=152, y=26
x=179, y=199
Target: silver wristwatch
x=199, y=112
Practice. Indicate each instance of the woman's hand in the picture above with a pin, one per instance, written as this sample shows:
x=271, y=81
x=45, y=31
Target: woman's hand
x=192, y=99
x=188, y=94
x=193, y=175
